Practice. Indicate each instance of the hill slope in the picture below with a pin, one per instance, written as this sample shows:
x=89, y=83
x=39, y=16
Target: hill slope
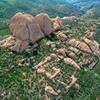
x=20, y=81
x=53, y=7
x=88, y=6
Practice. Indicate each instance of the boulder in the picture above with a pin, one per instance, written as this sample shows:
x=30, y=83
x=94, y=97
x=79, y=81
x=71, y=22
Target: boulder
x=57, y=25
x=45, y=23
x=7, y=42
x=61, y=51
x=71, y=62
x=50, y=90
x=93, y=45
x=89, y=35
x=80, y=45
x=26, y=30
x=75, y=50
x=24, y=27
x=61, y=36
x=71, y=54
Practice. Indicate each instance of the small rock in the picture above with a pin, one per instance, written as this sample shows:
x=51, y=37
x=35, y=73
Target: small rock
x=50, y=90
x=71, y=62
x=61, y=51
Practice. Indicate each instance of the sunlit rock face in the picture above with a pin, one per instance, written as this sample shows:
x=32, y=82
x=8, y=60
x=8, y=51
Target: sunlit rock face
x=45, y=23
x=28, y=29
x=87, y=44
x=24, y=27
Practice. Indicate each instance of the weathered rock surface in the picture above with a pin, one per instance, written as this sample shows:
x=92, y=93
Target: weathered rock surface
x=24, y=27
x=45, y=23
x=61, y=36
x=50, y=90
x=87, y=46
x=28, y=29
x=25, y=30
x=89, y=35
x=7, y=42
x=71, y=54
x=71, y=62
x=57, y=23
x=93, y=45
x=80, y=45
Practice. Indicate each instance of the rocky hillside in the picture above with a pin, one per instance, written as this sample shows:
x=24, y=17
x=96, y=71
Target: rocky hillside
x=53, y=7
x=65, y=65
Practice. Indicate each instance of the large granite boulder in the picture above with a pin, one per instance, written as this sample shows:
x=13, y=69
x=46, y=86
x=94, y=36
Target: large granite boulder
x=28, y=29
x=45, y=23
x=80, y=45
x=88, y=46
x=24, y=27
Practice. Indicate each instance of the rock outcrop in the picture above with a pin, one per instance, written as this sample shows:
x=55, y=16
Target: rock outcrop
x=71, y=62
x=45, y=23
x=24, y=27
x=93, y=45
x=80, y=45
x=89, y=35
x=86, y=47
x=27, y=29
x=87, y=44
x=57, y=23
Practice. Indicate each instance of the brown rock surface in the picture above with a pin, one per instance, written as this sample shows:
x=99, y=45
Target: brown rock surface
x=50, y=90
x=27, y=29
x=45, y=23
x=9, y=41
x=57, y=23
x=71, y=62
x=24, y=27
x=89, y=35
x=80, y=45
x=61, y=36
x=93, y=45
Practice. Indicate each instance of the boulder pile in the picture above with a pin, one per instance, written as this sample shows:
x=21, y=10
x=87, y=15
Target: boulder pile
x=27, y=30
x=74, y=53
x=87, y=45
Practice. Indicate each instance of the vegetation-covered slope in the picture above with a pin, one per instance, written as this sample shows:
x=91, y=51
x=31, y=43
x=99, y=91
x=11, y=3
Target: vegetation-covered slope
x=19, y=80
x=88, y=6
x=9, y=7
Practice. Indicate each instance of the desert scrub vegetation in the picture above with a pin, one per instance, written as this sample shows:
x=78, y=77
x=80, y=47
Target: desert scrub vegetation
x=19, y=79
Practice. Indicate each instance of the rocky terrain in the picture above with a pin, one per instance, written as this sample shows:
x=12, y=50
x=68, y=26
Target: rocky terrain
x=64, y=65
